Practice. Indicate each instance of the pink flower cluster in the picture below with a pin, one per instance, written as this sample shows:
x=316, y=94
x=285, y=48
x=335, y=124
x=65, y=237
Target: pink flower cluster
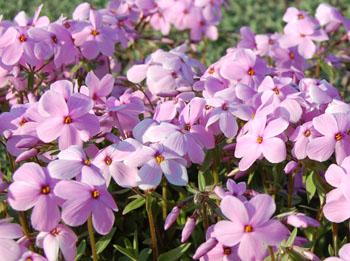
x=76, y=130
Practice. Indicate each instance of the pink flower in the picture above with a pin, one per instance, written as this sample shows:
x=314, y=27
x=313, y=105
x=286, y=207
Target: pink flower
x=74, y=162
x=244, y=66
x=261, y=140
x=69, y=121
x=94, y=37
x=33, y=188
x=300, y=220
x=233, y=189
x=83, y=200
x=60, y=238
x=155, y=160
x=249, y=226
x=111, y=162
x=334, y=137
x=337, y=207
x=9, y=249
x=302, y=135
x=98, y=89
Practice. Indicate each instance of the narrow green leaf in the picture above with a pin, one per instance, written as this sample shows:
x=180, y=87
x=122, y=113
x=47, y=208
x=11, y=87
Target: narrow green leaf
x=81, y=249
x=201, y=181
x=139, y=202
x=144, y=254
x=104, y=241
x=128, y=252
x=175, y=253
x=292, y=237
x=310, y=186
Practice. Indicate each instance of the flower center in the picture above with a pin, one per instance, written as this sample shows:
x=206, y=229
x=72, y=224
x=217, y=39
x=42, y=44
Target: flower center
x=187, y=127
x=66, y=25
x=227, y=251
x=271, y=42
x=338, y=136
x=29, y=259
x=207, y=107
x=307, y=133
x=259, y=139
x=23, y=121
x=87, y=162
x=55, y=232
x=300, y=16
x=224, y=107
x=95, y=194
x=276, y=90
x=248, y=228
x=211, y=70
x=291, y=55
x=22, y=38
x=67, y=120
x=94, y=32
x=174, y=75
x=108, y=160
x=45, y=190
x=159, y=158
x=54, y=39
x=251, y=72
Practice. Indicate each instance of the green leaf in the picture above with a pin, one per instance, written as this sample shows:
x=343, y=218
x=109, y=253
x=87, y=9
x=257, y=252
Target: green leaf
x=144, y=254
x=175, y=253
x=327, y=69
x=292, y=237
x=310, y=186
x=201, y=181
x=104, y=241
x=81, y=249
x=139, y=202
x=128, y=252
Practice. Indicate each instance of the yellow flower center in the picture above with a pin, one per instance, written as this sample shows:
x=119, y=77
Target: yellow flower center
x=259, y=139
x=159, y=159
x=251, y=72
x=108, y=160
x=248, y=228
x=94, y=32
x=307, y=133
x=95, y=194
x=227, y=251
x=22, y=38
x=67, y=120
x=338, y=136
x=276, y=90
x=45, y=190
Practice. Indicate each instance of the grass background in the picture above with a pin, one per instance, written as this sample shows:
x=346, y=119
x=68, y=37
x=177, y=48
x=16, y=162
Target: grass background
x=261, y=15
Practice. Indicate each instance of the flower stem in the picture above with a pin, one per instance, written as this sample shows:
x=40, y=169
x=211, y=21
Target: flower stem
x=290, y=189
x=165, y=198
x=25, y=227
x=92, y=239
x=272, y=255
x=335, y=237
x=152, y=227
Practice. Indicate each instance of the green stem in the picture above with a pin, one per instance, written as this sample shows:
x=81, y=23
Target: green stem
x=152, y=227
x=290, y=189
x=165, y=198
x=335, y=237
x=272, y=255
x=92, y=239
x=25, y=227
x=205, y=217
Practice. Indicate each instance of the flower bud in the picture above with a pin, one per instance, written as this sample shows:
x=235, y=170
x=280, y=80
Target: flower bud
x=188, y=229
x=26, y=155
x=171, y=218
x=205, y=248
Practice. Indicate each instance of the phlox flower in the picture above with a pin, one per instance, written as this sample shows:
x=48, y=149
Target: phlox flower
x=261, y=140
x=69, y=121
x=33, y=188
x=111, y=162
x=9, y=249
x=249, y=226
x=94, y=37
x=60, y=238
x=337, y=207
x=98, y=89
x=233, y=189
x=85, y=200
x=333, y=129
x=74, y=162
x=154, y=161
